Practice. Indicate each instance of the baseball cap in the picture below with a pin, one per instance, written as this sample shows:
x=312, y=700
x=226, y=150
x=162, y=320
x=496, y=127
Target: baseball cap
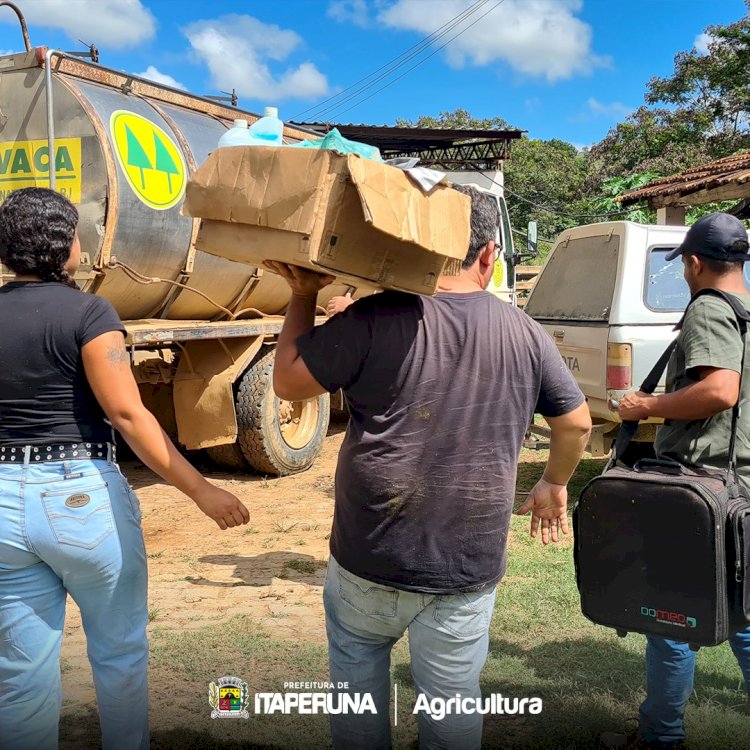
x=719, y=235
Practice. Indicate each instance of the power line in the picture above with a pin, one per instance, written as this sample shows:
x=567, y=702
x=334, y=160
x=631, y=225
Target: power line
x=555, y=211
x=423, y=60
x=415, y=49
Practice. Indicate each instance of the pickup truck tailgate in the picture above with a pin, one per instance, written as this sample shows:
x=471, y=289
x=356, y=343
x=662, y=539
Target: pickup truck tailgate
x=584, y=352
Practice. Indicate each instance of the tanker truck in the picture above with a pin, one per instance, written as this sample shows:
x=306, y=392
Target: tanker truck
x=200, y=329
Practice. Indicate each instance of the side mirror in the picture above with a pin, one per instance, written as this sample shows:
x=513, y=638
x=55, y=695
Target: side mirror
x=531, y=243
x=531, y=235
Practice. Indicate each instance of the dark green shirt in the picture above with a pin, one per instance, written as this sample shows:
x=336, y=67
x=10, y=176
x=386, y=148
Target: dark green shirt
x=710, y=337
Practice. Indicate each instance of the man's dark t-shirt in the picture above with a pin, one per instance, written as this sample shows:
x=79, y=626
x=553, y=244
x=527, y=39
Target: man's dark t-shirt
x=441, y=392
x=44, y=394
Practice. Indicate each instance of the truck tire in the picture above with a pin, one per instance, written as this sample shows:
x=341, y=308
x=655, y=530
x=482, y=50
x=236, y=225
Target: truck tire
x=228, y=457
x=275, y=437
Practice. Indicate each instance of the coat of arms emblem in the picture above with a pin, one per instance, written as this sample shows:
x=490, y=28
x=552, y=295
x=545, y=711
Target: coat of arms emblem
x=229, y=697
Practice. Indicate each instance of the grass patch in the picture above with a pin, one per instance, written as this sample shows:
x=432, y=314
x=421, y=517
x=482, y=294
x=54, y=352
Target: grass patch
x=302, y=566
x=185, y=663
x=283, y=528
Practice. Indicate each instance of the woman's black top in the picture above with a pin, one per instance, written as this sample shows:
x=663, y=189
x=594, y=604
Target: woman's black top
x=44, y=394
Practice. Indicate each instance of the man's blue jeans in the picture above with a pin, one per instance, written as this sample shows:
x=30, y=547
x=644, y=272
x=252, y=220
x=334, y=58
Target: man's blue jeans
x=71, y=527
x=448, y=641
x=670, y=670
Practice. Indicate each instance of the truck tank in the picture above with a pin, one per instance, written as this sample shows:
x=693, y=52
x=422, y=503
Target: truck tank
x=201, y=330
x=124, y=150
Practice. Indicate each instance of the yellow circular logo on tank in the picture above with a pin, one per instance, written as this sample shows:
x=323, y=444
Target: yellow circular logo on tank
x=150, y=161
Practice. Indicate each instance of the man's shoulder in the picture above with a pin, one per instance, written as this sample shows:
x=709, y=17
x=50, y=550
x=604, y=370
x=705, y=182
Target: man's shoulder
x=713, y=307
x=388, y=300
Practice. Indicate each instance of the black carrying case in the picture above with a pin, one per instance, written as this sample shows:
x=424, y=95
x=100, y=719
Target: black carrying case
x=662, y=549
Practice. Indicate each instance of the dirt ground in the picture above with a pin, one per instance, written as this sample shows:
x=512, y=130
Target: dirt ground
x=271, y=570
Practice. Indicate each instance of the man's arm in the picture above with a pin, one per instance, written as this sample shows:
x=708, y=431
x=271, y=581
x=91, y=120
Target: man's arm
x=716, y=390
x=292, y=379
x=548, y=500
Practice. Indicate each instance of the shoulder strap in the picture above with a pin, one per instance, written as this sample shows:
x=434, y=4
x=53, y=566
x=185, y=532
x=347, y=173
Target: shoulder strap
x=628, y=429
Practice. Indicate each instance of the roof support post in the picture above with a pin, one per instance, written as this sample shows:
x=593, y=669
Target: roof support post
x=673, y=215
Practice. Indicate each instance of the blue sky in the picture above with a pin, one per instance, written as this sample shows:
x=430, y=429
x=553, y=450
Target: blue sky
x=567, y=69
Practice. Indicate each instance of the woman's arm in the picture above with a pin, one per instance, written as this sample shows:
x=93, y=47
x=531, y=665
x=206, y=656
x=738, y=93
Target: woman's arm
x=107, y=366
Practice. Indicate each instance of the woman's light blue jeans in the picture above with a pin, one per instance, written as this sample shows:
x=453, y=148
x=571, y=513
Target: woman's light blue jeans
x=448, y=641
x=670, y=672
x=71, y=527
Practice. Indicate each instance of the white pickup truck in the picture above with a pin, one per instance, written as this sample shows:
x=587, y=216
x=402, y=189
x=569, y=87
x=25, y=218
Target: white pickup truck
x=610, y=301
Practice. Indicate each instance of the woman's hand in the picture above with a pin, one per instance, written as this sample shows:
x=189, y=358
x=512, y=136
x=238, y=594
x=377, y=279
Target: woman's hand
x=221, y=505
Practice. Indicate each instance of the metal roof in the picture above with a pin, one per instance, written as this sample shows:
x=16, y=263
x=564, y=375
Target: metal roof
x=450, y=148
x=384, y=136
x=724, y=179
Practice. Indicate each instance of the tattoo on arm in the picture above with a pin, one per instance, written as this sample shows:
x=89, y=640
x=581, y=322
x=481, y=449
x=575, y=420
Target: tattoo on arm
x=118, y=356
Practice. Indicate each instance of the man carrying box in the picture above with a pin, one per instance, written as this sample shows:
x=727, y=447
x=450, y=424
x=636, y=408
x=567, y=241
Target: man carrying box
x=441, y=391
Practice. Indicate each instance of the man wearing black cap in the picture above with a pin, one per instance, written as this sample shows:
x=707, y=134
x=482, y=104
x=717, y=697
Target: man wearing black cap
x=703, y=384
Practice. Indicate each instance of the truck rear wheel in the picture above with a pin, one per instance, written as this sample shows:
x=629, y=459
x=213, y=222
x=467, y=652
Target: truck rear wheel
x=275, y=437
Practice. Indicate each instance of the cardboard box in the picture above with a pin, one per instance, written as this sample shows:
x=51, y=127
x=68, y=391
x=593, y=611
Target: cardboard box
x=358, y=219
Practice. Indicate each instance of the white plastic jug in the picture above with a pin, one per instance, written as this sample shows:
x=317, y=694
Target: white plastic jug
x=237, y=135
x=269, y=130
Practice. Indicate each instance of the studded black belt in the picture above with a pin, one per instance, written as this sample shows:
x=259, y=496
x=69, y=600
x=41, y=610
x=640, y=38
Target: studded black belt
x=19, y=454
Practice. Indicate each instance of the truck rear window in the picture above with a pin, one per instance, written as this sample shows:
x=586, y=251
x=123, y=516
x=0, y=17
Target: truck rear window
x=666, y=288
x=578, y=281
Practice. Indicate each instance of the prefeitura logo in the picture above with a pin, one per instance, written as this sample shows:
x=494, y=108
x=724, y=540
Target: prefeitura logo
x=229, y=697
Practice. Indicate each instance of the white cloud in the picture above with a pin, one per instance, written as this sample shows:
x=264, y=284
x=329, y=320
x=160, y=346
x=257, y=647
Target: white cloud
x=532, y=104
x=236, y=50
x=541, y=38
x=349, y=11
x=594, y=109
x=702, y=41
x=154, y=74
x=113, y=24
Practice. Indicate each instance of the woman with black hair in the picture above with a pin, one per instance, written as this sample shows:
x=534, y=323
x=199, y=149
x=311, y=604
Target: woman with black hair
x=69, y=522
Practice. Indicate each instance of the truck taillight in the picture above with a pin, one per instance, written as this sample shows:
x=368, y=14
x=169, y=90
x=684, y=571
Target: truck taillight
x=619, y=366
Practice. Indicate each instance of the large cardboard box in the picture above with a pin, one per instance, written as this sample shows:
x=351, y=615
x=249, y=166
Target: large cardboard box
x=361, y=220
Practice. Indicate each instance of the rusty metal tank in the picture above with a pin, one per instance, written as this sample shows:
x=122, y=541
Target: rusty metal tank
x=124, y=150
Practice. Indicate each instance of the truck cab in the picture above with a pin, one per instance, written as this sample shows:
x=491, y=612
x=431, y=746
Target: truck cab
x=503, y=283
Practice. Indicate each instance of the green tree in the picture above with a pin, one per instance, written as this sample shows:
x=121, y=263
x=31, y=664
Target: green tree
x=458, y=118
x=164, y=161
x=137, y=157
x=546, y=183
x=713, y=87
x=705, y=112
x=616, y=186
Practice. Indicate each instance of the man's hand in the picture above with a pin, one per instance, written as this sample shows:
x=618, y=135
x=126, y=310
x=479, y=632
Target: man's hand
x=635, y=406
x=221, y=505
x=339, y=304
x=303, y=282
x=548, y=504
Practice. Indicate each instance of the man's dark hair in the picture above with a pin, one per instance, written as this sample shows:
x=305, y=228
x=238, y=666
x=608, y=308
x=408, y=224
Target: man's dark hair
x=722, y=267
x=37, y=227
x=485, y=219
